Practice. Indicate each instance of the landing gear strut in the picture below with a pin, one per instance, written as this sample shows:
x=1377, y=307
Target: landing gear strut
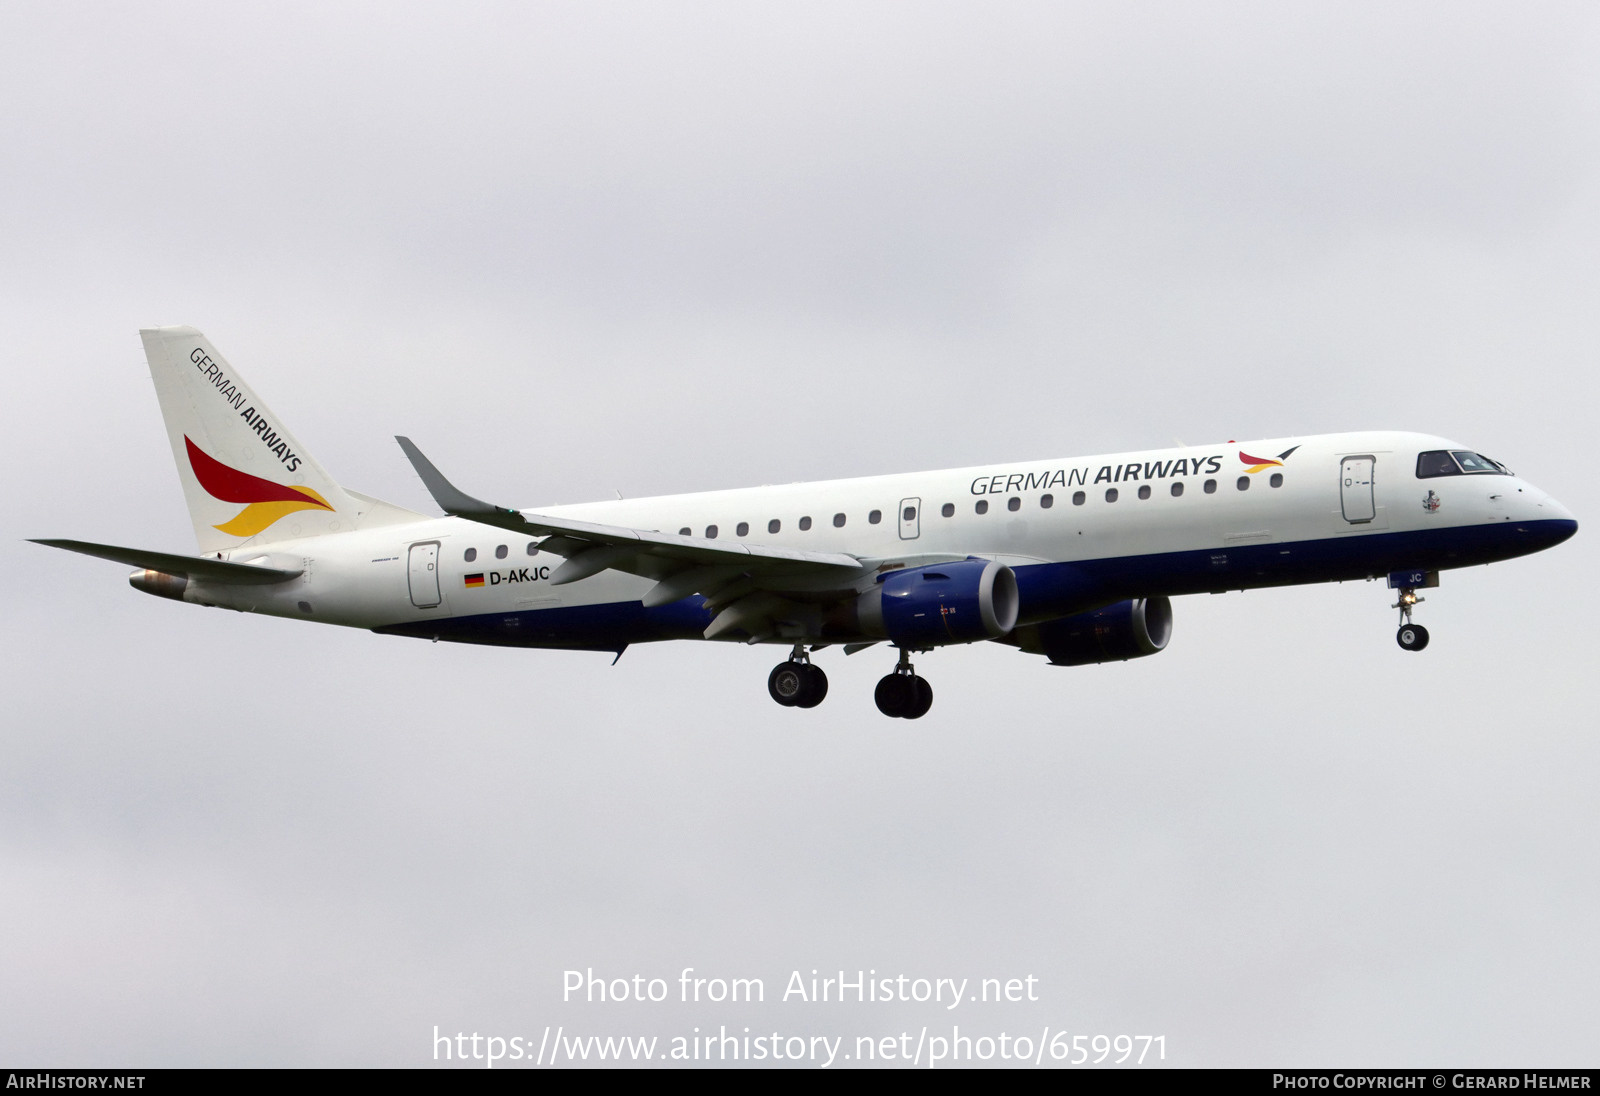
x=902, y=694
x=797, y=683
x=1411, y=637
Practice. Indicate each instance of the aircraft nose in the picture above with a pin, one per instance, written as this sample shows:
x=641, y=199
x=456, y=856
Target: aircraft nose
x=1552, y=531
x=1550, y=508
x=1555, y=522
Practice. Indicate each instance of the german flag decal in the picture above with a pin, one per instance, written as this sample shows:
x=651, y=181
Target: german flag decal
x=266, y=502
x=474, y=580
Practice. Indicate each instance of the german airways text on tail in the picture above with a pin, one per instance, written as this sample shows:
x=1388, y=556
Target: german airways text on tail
x=1071, y=558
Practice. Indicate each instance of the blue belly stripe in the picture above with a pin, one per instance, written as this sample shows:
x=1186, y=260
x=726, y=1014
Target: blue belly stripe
x=1050, y=590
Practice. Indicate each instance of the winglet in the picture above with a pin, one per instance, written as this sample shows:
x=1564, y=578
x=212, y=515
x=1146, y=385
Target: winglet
x=452, y=500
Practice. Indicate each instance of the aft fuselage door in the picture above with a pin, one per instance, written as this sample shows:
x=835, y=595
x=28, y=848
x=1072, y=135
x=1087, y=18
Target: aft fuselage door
x=1355, y=489
x=910, y=519
x=424, y=574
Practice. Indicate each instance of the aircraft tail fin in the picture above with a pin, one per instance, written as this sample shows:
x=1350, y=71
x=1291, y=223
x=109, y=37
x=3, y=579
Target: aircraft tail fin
x=245, y=477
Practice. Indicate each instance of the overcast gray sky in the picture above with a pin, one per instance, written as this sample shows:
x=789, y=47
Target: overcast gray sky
x=575, y=249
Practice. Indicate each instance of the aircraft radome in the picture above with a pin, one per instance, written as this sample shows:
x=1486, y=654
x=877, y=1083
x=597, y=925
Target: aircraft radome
x=1074, y=558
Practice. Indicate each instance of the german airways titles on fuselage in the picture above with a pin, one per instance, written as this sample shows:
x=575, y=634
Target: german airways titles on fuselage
x=1005, y=483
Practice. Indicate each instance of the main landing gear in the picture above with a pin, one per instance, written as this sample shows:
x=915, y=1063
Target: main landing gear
x=797, y=683
x=1411, y=637
x=902, y=694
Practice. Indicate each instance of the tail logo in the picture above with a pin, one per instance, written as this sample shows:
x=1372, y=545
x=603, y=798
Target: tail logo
x=1256, y=464
x=265, y=501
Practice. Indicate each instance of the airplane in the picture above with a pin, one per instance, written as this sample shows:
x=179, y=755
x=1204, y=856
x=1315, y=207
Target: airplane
x=1075, y=559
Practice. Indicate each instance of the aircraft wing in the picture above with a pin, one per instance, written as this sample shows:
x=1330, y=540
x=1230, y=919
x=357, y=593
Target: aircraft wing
x=195, y=567
x=744, y=583
x=582, y=535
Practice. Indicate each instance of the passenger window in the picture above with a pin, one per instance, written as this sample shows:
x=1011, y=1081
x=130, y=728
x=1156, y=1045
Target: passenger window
x=1211, y=487
x=1244, y=483
x=838, y=521
x=533, y=549
x=1144, y=490
x=948, y=510
x=910, y=514
x=500, y=552
x=1177, y=489
x=711, y=532
x=1276, y=480
x=1013, y=503
x=1046, y=501
x=470, y=555
x=684, y=532
x=774, y=525
x=805, y=523
x=1111, y=494
x=1079, y=498
x=742, y=529
x=874, y=517
x=981, y=506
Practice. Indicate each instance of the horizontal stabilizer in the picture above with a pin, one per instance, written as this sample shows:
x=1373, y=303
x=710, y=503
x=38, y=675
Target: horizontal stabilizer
x=205, y=570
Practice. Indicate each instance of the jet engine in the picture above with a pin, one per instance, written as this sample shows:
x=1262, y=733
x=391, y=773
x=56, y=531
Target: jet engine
x=1115, y=633
x=942, y=603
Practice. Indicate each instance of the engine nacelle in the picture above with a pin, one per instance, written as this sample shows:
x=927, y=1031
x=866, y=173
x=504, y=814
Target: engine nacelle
x=942, y=603
x=1128, y=629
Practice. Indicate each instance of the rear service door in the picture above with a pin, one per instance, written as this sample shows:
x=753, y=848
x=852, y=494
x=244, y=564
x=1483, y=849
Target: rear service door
x=424, y=574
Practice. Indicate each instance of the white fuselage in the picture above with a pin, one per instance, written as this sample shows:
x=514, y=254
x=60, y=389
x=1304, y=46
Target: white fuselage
x=1114, y=518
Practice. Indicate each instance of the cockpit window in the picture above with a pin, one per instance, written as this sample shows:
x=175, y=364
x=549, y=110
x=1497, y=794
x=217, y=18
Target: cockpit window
x=1457, y=462
x=1436, y=463
x=1477, y=462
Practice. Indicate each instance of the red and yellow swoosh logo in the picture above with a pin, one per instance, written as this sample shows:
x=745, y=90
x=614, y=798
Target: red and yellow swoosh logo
x=1256, y=464
x=266, y=502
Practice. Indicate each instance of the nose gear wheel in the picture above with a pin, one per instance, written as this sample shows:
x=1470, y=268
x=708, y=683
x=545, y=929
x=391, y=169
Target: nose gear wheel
x=1411, y=637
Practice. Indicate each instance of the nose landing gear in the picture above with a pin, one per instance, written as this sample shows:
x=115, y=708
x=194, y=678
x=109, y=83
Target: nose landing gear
x=902, y=694
x=1411, y=637
x=797, y=683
